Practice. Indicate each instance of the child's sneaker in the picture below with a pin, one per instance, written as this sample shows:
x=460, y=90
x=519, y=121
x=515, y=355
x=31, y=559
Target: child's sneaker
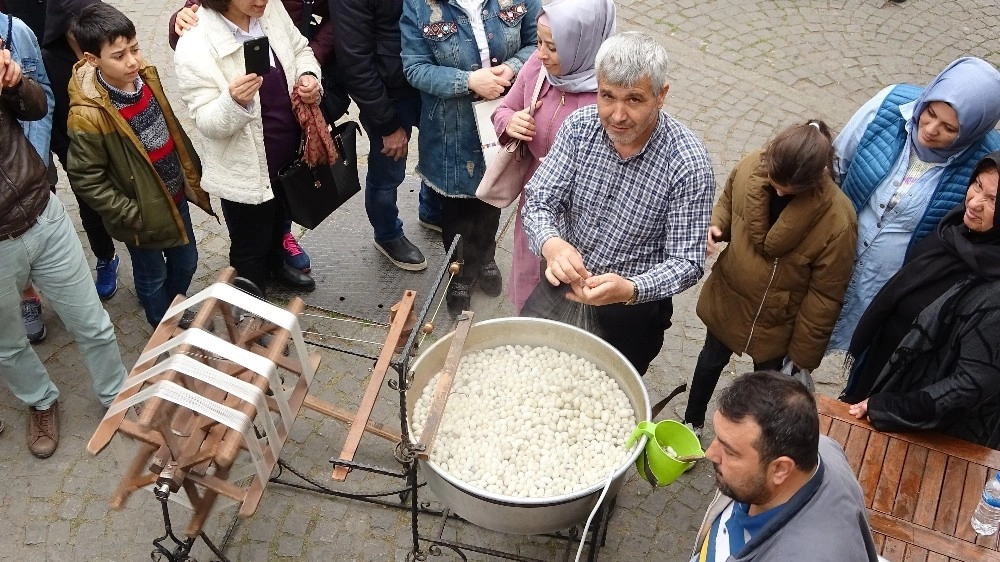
x=107, y=278
x=31, y=314
x=293, y=253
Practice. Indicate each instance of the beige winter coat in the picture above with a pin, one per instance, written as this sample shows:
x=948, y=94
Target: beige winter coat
x=777, y=290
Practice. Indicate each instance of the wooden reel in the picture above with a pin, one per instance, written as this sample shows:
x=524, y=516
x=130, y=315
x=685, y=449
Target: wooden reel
x=203, y=399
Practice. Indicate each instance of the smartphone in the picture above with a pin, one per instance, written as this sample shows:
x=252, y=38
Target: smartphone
x=257, y=56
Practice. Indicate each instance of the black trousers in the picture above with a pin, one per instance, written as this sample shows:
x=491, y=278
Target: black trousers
x=634, y=330
x=712, y=360
x=255, y=233
x=477, y=222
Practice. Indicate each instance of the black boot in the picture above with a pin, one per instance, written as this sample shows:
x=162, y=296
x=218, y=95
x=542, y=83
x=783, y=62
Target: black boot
x=490, y=279
x=293, y=278
x=458, y=297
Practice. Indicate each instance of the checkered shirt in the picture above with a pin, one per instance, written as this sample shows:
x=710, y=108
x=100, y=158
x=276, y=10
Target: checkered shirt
x=645, y=217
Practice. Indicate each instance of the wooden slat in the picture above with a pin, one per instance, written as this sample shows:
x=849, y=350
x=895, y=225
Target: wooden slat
x=933, y=541
x=888, y=482
x=857, y=442
x=374, y=386
x=951, y=446
x=915, y=554
x=443, y=387
x=975, y=479
x=824, y=424
x=954, y=480
x=930, y=489
x=839, y=432
x=909, y=483
x=871, y=470
x=340, y=414
x=894, y=549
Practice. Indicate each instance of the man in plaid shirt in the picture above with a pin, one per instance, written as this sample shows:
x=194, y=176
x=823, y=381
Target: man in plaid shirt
x=621, y=205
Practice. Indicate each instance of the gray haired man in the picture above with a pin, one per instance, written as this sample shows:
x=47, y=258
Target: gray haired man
x=620, y=206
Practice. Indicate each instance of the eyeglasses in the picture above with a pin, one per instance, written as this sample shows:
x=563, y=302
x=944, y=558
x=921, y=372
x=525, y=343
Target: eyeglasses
x=980, y=191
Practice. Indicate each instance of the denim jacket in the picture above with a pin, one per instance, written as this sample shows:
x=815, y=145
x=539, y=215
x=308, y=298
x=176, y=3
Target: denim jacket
x=439, y=53
x=24, y=49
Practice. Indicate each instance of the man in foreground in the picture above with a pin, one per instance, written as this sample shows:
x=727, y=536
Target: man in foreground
x=785, y=491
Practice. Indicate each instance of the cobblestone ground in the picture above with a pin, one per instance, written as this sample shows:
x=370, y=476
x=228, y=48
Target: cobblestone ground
x=740, y=70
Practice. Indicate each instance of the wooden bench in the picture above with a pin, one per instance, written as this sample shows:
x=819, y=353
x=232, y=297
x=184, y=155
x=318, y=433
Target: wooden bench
x=920, y=488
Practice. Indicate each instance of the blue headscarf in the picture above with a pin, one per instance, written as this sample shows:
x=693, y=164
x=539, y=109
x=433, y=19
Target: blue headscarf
x=578, y=29
x=971, y=87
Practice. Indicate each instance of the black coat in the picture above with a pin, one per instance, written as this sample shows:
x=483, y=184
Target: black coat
x=368, y=45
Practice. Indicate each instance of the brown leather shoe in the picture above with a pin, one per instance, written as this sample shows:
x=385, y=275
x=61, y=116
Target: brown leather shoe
x=43, y=431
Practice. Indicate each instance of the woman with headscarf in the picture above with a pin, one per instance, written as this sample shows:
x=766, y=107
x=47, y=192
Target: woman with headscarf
x=569, y=34
x=928, y=355
x=455, y=53
x=905, y=160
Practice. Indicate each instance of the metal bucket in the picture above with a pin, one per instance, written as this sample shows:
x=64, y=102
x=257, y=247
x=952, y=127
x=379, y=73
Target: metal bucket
x=512, y=514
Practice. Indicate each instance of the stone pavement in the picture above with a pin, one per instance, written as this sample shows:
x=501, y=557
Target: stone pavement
x=740, y=70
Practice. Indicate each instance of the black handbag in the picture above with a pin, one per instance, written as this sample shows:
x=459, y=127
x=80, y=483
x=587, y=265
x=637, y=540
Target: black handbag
x=312, y=193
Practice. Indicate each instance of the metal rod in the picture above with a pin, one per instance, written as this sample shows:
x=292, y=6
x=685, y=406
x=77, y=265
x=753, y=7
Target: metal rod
x=344, y=338
x=346, y=319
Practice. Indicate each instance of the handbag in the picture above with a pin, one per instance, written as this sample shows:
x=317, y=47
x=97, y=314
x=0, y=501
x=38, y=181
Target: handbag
x=313, y=193
x=503, y=179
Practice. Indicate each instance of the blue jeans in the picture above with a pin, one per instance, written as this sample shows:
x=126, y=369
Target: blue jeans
x=385, y=175
x=162, y=274
x=50, y=254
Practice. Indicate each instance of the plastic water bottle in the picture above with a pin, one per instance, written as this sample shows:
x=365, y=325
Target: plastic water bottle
x=986, y=519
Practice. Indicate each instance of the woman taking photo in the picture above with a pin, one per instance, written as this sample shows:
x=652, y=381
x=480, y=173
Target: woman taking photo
x=776, y=289
x=455, y=53
x=905, y=160
x=927, y=351
x=569, y=34
x=248, y=124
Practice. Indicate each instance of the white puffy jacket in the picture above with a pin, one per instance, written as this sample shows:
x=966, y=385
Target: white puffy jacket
x=208, y=58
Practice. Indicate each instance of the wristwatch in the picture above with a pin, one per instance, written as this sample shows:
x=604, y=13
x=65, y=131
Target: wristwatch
x=635, y=294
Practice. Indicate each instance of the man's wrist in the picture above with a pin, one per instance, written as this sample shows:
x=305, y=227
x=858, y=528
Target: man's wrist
x=635, y=293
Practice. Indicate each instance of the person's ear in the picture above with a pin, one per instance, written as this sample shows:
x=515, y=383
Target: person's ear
x=663, y=93
x=780, y=469
x=91, y=59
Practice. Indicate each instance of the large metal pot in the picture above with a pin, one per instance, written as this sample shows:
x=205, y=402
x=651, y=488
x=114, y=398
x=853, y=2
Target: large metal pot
x=517, y=515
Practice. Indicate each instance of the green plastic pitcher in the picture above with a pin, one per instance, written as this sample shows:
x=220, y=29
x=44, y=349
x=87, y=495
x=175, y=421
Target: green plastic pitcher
x=654, y=464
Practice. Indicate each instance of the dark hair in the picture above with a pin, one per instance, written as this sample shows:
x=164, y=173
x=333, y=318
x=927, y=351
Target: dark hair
x=216, y=5
x=798, y=157
x=989, y=162
x=100, y=24
x=785, y=411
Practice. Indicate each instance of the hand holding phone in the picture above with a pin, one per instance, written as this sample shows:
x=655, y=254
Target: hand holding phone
x=257, y=56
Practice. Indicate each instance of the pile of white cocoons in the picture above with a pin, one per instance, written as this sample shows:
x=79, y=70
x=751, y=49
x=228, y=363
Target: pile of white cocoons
x=529, y=422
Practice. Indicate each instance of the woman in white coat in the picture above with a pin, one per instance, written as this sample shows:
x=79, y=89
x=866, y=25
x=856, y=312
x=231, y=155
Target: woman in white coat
x=248, y=124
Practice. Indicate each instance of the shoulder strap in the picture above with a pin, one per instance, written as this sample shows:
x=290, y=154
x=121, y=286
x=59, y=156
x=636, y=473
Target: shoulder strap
x=306, y=20
x=538, y=88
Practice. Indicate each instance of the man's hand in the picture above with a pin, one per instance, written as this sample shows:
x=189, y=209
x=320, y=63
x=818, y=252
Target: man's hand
x=522, y=125
x=599, y=290
x=395, y=145
x=186, y=19
x=486, y=84
x=11, y=77
x=714, y=234
x=564, y=265
x=243, y=88
x=859, y=410
x=308, y=88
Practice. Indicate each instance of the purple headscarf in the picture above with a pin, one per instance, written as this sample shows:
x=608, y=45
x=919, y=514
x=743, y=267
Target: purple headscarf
x=971, y=87
x=578, y=29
